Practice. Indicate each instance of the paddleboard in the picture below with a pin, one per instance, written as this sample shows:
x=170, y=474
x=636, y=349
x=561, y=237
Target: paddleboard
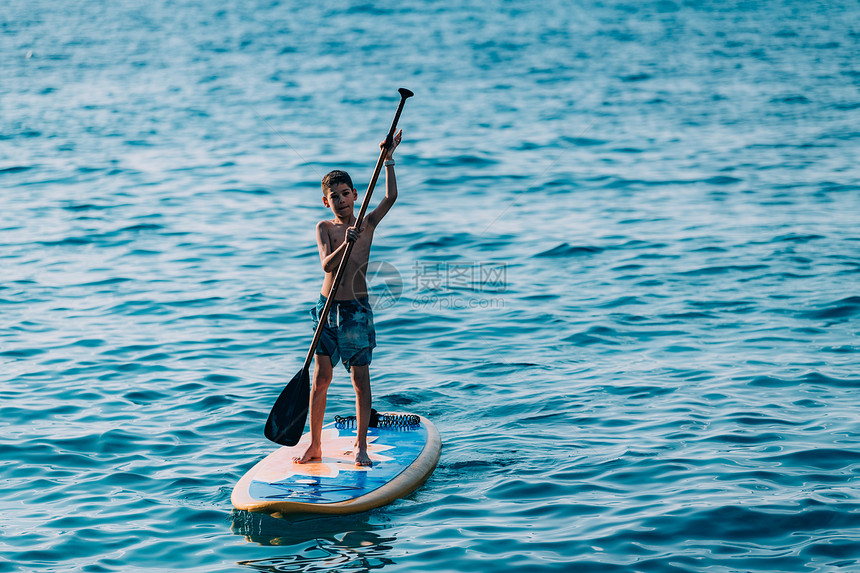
x=404, y=454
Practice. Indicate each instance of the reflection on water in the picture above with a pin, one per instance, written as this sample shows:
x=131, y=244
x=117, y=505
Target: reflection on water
x=311, y=544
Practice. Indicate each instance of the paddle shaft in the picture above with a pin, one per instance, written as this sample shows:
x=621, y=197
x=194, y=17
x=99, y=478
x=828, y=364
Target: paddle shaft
x=341, y=269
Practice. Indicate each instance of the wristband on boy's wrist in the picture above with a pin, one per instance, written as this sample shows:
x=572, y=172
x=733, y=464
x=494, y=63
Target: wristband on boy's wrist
x=388, y=162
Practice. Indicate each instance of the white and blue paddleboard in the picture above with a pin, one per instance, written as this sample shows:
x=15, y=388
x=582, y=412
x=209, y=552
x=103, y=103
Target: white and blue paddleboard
x=404, y=453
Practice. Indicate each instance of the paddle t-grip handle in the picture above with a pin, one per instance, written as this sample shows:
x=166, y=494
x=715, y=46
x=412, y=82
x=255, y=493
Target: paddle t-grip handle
x=404, y=95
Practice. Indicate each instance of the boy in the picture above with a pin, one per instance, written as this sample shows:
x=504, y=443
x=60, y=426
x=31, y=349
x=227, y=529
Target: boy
x=348, y=334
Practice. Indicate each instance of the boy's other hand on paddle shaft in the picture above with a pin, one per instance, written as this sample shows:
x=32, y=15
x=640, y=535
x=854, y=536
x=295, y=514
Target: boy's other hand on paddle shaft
x=352, y=234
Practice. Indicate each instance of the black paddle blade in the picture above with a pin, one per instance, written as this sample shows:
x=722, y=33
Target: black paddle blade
x=287, y=418
x=405, y=93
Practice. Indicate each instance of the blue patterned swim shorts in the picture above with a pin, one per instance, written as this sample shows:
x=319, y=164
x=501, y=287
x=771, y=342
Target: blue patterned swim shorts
x=348, y=335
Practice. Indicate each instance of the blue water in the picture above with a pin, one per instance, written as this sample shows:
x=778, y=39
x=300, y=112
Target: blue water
x=623, y=271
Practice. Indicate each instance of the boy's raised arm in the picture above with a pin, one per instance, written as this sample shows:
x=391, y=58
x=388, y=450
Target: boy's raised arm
x=375, y=216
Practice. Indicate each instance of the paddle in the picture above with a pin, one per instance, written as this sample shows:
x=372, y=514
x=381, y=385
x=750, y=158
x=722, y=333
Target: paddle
x=290, y=412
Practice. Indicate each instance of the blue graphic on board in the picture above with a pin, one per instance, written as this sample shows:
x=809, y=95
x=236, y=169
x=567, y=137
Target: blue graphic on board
x=336, y=478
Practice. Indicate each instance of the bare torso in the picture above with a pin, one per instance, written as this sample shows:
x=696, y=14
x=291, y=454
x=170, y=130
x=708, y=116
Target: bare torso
x=353, y=285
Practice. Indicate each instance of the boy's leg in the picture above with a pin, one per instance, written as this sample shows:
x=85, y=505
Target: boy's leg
x=319, y=390
x=361, y=383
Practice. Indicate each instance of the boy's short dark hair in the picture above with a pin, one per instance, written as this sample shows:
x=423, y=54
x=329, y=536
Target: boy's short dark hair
x=336, y=177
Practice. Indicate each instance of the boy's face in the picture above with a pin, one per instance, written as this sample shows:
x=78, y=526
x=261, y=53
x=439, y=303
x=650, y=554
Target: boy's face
x=340, y=199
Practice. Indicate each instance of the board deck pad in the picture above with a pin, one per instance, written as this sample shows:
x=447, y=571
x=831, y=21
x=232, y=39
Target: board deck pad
x=403, y=457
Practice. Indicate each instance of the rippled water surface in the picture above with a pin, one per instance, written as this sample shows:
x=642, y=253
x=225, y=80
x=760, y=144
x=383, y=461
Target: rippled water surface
x=626, y=251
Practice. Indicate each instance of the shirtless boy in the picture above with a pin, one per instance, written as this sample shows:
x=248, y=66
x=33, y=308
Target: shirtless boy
x=348, y=335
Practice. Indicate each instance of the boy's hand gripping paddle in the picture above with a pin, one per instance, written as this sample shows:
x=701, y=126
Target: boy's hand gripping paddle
x=287, y=418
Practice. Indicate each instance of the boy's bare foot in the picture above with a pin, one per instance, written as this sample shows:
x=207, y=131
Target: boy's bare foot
x=362, y=459
x=312, y=454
